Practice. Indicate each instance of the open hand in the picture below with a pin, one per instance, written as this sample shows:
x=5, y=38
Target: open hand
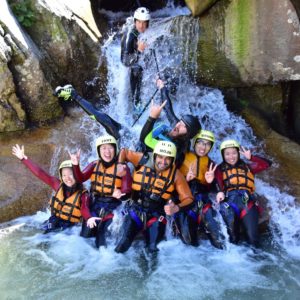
x=19, y=152
x=245, y=152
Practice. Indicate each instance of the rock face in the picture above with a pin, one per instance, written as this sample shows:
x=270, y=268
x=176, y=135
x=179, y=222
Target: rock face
x=246, y=43
x=253, y=48
x=199, y=7
x=62, y=46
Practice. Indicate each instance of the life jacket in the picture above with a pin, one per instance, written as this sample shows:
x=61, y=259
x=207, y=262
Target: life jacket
x=202, y=165
x=105, y=181
x=148, y=182
x=68, y=208
x=238, y=177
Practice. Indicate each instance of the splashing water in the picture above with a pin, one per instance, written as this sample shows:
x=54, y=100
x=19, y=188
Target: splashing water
x=64, y=265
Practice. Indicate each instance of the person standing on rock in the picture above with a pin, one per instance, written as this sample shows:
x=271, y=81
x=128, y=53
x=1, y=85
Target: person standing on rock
x=69, y=195
x=235, y=180
x=131, y=49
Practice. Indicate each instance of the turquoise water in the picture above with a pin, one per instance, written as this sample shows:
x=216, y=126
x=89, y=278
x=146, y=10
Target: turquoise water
x=66, y=266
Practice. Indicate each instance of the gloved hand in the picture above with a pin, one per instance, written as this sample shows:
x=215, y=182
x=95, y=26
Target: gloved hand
x=161, y=128
x=66, y=92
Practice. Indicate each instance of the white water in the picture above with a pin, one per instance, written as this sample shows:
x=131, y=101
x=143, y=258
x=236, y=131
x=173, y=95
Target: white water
x=66, y=266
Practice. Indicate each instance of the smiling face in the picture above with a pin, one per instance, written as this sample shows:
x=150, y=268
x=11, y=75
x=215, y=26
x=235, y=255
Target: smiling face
x=107, y=152
x=180, y=129
x=162, y=162
x=202, y=147
x=141, y=26
x=231, y=155
x=67, y=177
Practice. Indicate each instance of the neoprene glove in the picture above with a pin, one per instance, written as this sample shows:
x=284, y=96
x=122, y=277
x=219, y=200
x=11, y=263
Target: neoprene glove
x=66, y=92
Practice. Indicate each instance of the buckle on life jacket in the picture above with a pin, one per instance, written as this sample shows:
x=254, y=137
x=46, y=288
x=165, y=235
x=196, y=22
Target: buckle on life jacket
x=160, y=219
x=226, y=205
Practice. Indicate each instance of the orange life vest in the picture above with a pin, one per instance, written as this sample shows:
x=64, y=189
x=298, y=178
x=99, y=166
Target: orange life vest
x=105, y=181
x=147, y=181
x=237, y=177
x=67, y=209
x=202, y=165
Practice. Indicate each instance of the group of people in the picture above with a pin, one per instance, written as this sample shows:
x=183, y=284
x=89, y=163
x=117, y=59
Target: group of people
x=173, y=178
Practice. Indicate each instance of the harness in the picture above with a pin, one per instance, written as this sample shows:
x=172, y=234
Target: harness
x=67, y=209
x=105, y=181
x=248, y=205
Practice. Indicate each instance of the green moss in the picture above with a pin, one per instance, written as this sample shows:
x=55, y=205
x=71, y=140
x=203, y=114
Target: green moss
x=238, y=29
x=23, y=12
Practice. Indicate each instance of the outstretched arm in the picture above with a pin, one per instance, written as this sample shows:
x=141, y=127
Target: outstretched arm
x=111, y=126
x=52, y=181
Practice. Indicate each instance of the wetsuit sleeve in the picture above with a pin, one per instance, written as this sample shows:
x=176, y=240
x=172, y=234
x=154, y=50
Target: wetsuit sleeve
x=42, y=174
x=111, y=126
x=85, y=206
x=219, y=185
x=168, y=107
x=127, y=155
x=147, y=128
x=82, y=176
x=129, y=52
x=258, y=164
x=183, y=190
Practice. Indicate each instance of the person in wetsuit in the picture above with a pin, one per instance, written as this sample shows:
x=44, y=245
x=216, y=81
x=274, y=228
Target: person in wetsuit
x=199, y=171
x=155, y=181
x=131, y=48
x=238, y=202
x=180, y=133
x=66, y=204
x=108, y=188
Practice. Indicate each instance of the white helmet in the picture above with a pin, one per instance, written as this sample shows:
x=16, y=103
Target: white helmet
x=142, y=14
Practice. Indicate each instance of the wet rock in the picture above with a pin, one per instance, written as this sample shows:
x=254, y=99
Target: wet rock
x=24, y=88
x=286, y=154
x=249, y=42
x=199, y=7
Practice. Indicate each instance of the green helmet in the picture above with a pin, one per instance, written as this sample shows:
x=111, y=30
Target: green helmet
x=229, y=144
x=106, y=139
x=64, y=164
x=204, y=135
x=165, y=148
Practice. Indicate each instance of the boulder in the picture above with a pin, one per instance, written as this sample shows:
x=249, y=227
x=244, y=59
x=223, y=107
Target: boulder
x=245, y=43
x=20, y=64
x=199, y=7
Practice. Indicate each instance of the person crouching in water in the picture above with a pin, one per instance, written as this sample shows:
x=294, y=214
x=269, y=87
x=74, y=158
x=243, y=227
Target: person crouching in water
x=235, y=180
x=69, y=194
x=155, y=181
x=199, y=171
x=106, y=188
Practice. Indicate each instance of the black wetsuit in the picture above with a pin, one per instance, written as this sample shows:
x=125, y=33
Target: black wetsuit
x=182, y=143
x=130, y=57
